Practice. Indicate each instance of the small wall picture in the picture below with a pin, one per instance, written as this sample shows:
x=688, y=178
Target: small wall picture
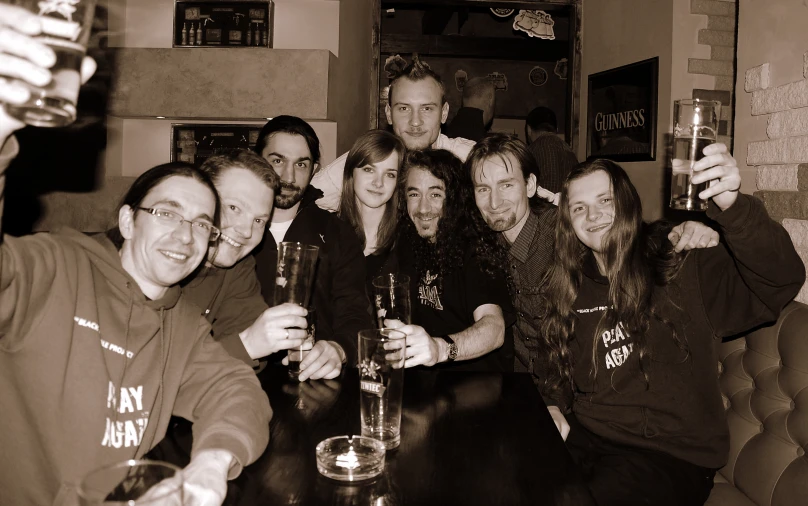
x=622, y=112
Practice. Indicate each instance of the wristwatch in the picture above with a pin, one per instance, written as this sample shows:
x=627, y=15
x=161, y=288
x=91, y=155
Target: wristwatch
x=452, y=348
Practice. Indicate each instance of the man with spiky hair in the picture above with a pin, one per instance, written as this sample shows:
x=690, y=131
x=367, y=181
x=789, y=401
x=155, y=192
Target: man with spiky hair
x=416, y=109
x=461, y=307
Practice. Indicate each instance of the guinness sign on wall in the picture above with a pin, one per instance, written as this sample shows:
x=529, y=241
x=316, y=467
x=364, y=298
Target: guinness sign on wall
x=622, y=112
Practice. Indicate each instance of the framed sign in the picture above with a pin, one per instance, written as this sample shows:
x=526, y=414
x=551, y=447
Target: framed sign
x=195, y=143
x=622, y=113
x=211, y=23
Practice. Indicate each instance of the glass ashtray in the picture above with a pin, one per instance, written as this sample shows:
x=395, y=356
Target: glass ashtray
x=350, y=458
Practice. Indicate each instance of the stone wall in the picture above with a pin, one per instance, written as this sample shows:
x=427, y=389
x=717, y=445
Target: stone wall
x=781, y=159
x=720, y=35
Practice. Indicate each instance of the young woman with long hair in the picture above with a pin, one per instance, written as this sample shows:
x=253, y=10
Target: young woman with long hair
x=369, y=200
x=631, y=328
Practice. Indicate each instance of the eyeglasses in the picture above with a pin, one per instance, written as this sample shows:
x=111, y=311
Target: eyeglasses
x=200, y=228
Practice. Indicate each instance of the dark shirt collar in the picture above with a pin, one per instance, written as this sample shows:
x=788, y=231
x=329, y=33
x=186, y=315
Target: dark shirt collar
x=520, y=249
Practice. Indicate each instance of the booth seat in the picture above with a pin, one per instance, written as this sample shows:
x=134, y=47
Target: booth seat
x=94, y=211
x=764, y=381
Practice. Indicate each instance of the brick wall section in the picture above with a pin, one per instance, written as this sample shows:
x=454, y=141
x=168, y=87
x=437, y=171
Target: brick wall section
x=720, y=36
x=781, y=159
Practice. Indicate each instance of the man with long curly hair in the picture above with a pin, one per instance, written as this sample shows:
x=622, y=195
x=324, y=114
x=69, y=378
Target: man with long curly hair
x=461, y=306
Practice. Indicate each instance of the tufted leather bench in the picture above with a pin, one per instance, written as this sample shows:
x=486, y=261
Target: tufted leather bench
x=764, y=380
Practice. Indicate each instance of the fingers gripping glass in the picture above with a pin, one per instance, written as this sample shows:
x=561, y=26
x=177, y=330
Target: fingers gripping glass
x=200, y=228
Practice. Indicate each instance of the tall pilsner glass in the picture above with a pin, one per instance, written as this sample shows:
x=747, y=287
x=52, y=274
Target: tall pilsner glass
x=695, y=127
x=296, y=266
x=381, y=384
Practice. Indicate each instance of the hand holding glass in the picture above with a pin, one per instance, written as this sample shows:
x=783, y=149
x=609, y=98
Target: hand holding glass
x=66, y=26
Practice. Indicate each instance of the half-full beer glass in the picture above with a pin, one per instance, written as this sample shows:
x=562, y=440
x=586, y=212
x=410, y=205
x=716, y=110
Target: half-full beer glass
x=66, y=26
x=381, y=384
x=695, y=127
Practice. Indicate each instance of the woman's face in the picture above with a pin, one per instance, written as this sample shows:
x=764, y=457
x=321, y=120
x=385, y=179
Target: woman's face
x=375, y=183
x=591, y=208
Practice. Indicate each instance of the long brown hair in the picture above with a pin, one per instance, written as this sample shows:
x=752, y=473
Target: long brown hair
x=636, y=258
x=372, y=147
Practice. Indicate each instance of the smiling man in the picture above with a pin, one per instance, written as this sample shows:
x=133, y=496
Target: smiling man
x=416, y=110
x=98, y=347
x=461, y=308
x=292, y=149
x=226, y=287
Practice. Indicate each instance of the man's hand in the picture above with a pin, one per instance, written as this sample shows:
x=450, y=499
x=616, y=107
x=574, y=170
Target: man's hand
x=560, y=422
x=721, y=169
x=323, y=361
x=422, y=349
x=278, y=328
x=691, y=235
x=547, y=195
x=204, y=482
x=23, y=59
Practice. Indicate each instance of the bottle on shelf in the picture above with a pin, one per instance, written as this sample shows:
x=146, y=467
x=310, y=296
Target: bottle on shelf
x=199, y=34
x=184, y=41
x=257, y=35
x=192, y=36
x=266, y=38
x=249, y=34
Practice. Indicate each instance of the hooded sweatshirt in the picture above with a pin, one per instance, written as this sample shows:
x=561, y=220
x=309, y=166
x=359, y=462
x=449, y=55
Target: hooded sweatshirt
x=91, y=370
x=718, y=292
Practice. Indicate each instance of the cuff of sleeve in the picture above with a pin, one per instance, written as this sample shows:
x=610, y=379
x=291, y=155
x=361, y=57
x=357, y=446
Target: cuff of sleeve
x=230, y=442
x=736, y=217
x=9, y=150
x=235, y=348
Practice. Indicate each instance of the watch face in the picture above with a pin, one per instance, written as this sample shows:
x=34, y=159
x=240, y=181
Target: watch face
x=452, y=351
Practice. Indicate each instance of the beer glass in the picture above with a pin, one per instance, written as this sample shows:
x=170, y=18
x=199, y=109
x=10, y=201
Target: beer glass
x=296, y=266
x=391, y=298
x=695, y=127
x=66, y=26
x=132, y=483
x=381, y=384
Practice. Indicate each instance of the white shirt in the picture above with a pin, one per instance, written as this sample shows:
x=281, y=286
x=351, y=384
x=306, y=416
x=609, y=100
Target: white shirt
x=329, y=178
x=278, y=230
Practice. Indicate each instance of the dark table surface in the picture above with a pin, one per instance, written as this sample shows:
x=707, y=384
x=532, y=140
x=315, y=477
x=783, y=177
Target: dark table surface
x=466, y=439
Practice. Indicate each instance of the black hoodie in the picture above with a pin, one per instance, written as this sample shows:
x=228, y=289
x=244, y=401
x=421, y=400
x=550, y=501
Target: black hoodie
x=719, y=292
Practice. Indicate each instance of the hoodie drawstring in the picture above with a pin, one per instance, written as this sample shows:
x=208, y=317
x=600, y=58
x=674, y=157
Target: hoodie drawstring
x=158, y=404
x=130, y=305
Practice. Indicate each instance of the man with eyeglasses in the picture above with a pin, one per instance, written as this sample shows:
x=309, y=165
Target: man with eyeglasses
x=98, y=348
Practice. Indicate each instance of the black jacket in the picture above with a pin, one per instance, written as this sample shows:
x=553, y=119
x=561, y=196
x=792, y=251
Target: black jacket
x=339, y=295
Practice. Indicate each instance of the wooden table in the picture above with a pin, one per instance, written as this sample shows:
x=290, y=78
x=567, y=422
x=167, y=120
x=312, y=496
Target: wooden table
x=466, y=439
